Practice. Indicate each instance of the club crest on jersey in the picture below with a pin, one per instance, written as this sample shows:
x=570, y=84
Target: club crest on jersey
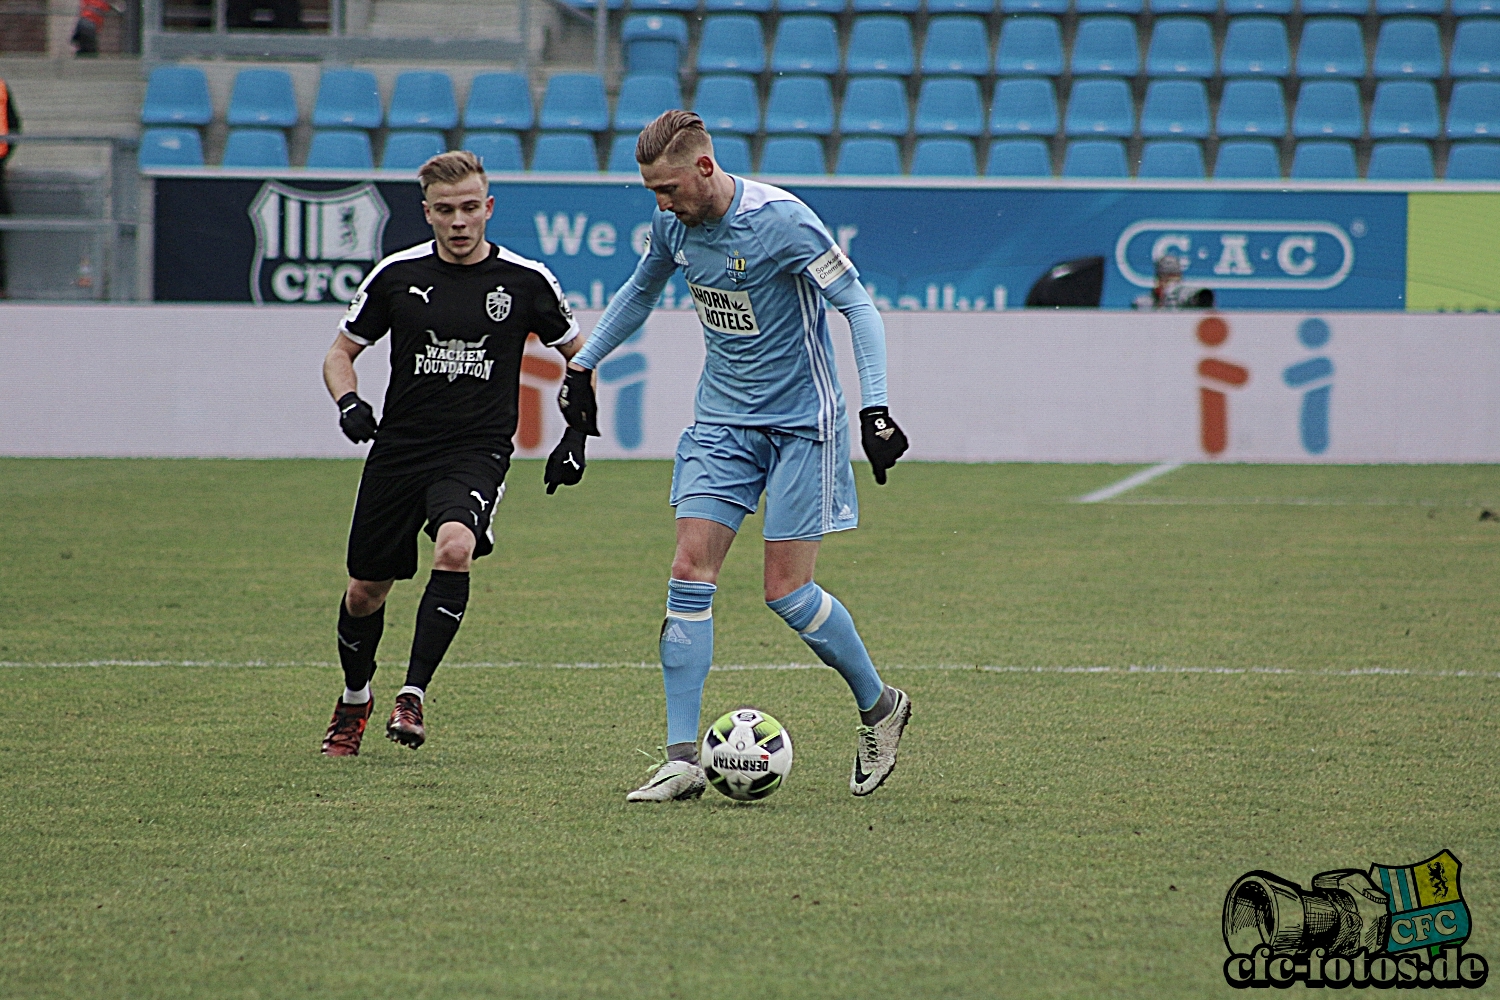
x=314, y=246
x=735, y=267
x=497, y=304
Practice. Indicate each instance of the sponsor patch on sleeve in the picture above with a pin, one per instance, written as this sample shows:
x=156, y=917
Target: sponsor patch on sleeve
x=830, y=267
x=355, y=306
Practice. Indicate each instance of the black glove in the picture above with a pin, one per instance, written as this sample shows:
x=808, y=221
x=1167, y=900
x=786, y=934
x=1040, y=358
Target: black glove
x=576, y=400
x=565, y=464
x=356, y=418
x=883, y=440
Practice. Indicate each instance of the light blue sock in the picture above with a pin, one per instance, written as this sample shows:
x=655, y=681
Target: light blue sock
x=687, y=651
x=824, y=624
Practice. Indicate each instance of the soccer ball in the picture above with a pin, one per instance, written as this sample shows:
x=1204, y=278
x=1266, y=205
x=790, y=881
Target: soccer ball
x=746, y=754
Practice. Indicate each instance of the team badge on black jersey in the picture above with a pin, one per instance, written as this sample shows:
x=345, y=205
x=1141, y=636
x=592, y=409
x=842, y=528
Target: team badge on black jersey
x=497, y=304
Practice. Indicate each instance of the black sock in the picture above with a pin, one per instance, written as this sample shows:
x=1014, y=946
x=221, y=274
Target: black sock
x=358, y=640
x=438, y=617
x=880, y=709
x=683, y=751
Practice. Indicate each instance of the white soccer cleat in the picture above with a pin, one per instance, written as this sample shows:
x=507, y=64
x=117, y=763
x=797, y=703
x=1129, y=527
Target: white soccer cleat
x=876, y=757
x=675, y=780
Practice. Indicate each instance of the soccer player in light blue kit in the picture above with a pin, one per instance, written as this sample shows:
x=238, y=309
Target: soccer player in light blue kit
x=769, y=417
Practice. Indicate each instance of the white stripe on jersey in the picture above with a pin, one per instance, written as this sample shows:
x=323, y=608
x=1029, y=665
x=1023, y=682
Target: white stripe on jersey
x=811, y=304
x=358, y=302
x=544, y=271
x=757, y=194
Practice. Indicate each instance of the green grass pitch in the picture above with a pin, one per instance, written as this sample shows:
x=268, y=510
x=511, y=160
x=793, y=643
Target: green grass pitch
x=1323, y=693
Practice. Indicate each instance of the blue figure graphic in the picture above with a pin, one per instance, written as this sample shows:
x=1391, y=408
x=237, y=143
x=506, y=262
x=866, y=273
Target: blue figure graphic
x=630, y=401
x=1313, y=333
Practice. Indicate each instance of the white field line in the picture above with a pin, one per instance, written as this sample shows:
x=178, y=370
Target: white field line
x=1130, y=482
x=1289, y=502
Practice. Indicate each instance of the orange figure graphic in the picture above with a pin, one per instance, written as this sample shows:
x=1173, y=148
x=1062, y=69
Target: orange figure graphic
x=1214, y=403
x=535, y=368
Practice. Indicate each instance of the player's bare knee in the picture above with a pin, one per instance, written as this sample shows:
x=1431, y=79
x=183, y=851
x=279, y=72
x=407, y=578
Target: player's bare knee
x=686, y=567
x=365, y=597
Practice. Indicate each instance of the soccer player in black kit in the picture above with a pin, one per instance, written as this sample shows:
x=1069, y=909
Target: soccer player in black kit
x=458, y=310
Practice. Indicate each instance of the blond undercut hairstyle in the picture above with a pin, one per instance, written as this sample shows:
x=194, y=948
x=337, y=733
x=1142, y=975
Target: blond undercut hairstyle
x=677, y=135
x=449, y=168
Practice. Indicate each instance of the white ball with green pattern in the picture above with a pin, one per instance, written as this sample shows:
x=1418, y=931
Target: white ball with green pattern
x=746, y=754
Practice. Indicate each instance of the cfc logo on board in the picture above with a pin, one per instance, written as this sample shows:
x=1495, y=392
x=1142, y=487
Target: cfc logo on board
x=314, y=246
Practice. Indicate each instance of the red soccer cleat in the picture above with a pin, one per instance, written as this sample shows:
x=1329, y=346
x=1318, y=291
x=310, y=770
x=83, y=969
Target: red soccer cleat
x=405, y=725
x=346, y=729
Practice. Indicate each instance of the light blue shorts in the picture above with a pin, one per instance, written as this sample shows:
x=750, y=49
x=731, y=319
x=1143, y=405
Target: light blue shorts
x=721, y=472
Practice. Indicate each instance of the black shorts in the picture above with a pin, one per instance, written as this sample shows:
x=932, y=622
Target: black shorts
x=391, y=510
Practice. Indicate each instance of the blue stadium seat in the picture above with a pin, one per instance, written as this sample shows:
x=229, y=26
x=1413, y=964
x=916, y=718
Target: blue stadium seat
x=1256, y=46
x=1473, y=161
x=960, y=6
x=868, y=157
x=880, y=43
x=1409, y=46
x=1172, y=159
x=1175, y=108
x=347, y=98
x=1184, y=6
x=1252, y=107
x=1100, y=107
x=887, y=6
x=1400, y=161
x=1247, y=160
x=1181, y=46
x=1405, y=109
x=1109, y=6
x=1386, y=8
x=1331, y=46
x=170, y=147
x=874, y=105
x=409, y=150
x=654, y=43
x=1280, y=8
x=956, y=45
x=575, y=101
x=1024, y=106
x=944, y=158
x=643, y=97
x=793, y=154
x=733, y=153
x=1474, y=109
x=1324, y=161
x=1095, y=158
x=1476, y=48
x=732, y=43
x=1316, y=7
x=806, y=43
x=728, y=104
x=499, y=100
x=1468, y=8
x=255, y=147
x=500, y=152
x=565, y=153
x=423, y=100
x=800, y=104
x=1328, y=108
x=949, y=105
x=1106, y=46
x=811, y=6
x=1019, y=158
x=177, y=95
x=1034, y=6
x=589, y=4
x=1030, y=45
x=263, y=97
x=341, y=149
x=622, y=154
x=679, y=6
x=743, y=6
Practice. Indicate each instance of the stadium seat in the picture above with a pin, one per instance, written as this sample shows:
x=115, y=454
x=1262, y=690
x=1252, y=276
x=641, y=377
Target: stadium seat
x=1476, y=48
x=1106, y=46
x=1184, y=6
x=565, y=153
x=1474, y=109
x=1024, y=106
x=1247, y=160
x=886, y=6
x=810, y=6
x=255, y=147
x=423, y=100
x=341, y=149
x=806, y=43
x=1324, y=161
x=500, y=152
x=1181, y=46
x=874, y=105
x=733, y=153
x=1100, y=107
x=263, y=97
x=589, y=4
x=1034, y=6
x=643, y=97
x=1030, y=45
x=1316, y=7
x=1400, y=161
x=732, y=43
x=1386, y=8
x=944, y=158
x=793, y=154
x=1256, y=46
x=949, y=105
x=1328, y=108
x=1405, y=109
x=170, y=147
x=679, y=6
x=1109, y=6
x=1175, y=108
x=654, y=43
x=728, y=104
x=880, y=43
x=743, y=6
x=956, y=45
x=499, y=100
x=1409, y=46
x=1252, y=107
x=177, y=95
x=575, y=101
x=868, y=157
x=409, y=150
x=1172, y=159
x=1468, y=8
x=800, y=104
x=1473, y=161
x=1331, y=46
x=347, y=98
x=1280, y=8
x=622, y=154
x=960, y=6
x=1095, y=158
x=1019, y=158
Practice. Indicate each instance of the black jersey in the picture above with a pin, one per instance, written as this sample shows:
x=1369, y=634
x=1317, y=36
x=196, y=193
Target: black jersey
x=457, y=335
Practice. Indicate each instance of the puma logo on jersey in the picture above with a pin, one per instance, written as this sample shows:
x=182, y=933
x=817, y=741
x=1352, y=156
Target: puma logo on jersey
x=424, y=292
x=457, y=616
x=483, y=503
